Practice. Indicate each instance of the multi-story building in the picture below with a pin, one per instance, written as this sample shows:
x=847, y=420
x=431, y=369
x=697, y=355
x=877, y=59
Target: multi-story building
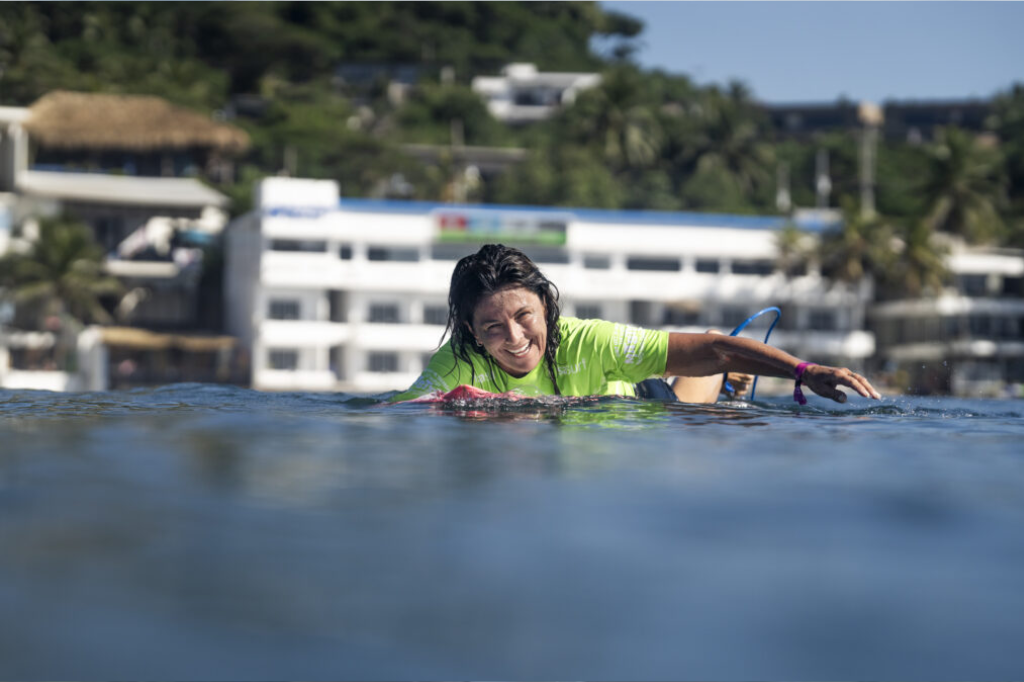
x=521, y=94
x=967, y=341
x=351, y=294
x=907, y=120
x=129, y=168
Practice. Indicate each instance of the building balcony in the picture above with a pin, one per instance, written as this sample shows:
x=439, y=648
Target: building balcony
x=119, y=189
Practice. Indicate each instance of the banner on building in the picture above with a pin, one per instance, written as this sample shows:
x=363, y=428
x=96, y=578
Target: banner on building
x=507, y=227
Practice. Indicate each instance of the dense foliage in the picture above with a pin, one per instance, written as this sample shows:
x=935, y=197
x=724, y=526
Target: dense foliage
x=643, y=139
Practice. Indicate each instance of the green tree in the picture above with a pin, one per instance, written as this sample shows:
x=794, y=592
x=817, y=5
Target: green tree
x=1008, y=123
x=901, y=173
x=616, y=121
x=918, y=266
x=964, y=188
x=433, y=110
x=859, y=248
x=560, y=176
x=729, y=142
x=795, y=249
x=60, y=274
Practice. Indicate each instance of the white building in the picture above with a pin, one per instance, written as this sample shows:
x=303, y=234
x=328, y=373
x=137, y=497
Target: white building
x=87, y=155
x=352, y=295
x=524, y=95
x=970, y=339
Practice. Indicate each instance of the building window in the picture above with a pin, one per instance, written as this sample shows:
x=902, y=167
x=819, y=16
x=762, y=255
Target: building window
x=654, y=264
x=451, y=251
x=345, y=252
x=980, y=325
x=680, y=317
x=435, y=314
x=384, y=313
x=1013, y=286
x=383, y=362
x=822, y=320
x=298, y=245
x=1005, y=328
x=284, y=309
x=952, y=328
x=640, y=313
x=284, y=359
x=542, y=255
x=597, y=262
x=732, y=316
x=588, y=311
x=706, y=265
x=973, y=285
x=753, y=267
x=393, y=253
x=338, y=304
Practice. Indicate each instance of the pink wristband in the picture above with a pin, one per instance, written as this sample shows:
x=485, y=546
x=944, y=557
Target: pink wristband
x=798, y=395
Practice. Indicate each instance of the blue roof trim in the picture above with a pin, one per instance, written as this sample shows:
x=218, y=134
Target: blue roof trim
x=668, y=218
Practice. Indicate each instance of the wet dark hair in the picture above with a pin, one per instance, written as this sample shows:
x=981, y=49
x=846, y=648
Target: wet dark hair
x=493, y=268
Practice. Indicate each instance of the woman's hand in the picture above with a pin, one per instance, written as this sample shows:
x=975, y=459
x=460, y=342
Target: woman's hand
x=824, y=380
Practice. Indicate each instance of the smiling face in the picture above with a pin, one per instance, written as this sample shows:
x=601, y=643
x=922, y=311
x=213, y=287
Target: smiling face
x=510, y=324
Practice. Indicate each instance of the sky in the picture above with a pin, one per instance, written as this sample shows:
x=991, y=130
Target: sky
x=796, y=52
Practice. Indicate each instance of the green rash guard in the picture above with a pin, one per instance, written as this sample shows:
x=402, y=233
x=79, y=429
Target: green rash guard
x=594, y=358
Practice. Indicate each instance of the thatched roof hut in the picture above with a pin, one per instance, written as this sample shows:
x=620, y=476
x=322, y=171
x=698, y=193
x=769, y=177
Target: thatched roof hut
x=78, y=120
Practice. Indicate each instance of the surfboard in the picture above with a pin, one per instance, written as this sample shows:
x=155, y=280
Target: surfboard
x=462, y=393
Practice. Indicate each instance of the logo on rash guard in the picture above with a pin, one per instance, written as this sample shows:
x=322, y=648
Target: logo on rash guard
x=626, y=344
x=429, y=381
x=481, y=379
x=572, y=369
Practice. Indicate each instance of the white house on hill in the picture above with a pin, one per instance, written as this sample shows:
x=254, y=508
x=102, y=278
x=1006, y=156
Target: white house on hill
x=521, y=94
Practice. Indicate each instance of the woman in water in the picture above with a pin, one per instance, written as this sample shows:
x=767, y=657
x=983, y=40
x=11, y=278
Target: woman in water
x=507, y=335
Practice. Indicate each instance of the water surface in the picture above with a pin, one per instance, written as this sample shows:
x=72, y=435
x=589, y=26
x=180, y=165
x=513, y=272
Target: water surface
x=209, y=532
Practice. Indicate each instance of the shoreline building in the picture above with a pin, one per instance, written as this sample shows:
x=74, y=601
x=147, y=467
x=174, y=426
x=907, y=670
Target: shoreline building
x=913, y=121
x=351, y=294
x=967, y=341
x=129, y=167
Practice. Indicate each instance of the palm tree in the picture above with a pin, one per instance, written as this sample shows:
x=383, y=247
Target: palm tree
x=964, y=187
x=794, y=250
x=860, y=248
x=729, y=139
x=616, y=120
x=1008, y=124
x=60, y=274
x=918, y=267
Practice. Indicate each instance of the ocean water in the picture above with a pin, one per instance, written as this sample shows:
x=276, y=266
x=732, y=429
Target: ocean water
x=209, y=532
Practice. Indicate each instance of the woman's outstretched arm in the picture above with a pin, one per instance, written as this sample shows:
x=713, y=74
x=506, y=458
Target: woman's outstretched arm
x=698, y=355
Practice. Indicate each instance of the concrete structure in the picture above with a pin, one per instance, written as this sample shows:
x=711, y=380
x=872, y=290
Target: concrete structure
x=909, y=120
x=152, y=227
x=967, y=341
x=352, y=294
x=29, y=360
x=524, y=95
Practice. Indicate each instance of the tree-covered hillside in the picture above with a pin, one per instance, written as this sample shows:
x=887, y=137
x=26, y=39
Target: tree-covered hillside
x=642, y=139
x=199, y=53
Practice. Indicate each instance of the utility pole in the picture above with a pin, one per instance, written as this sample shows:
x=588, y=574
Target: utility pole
x=822, y=183
x=458, y=161
x=783, y=201
x=871, y=118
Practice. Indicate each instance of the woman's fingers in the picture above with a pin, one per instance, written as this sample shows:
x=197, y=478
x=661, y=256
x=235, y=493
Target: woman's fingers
x=824, y=381
x=864, y=387
x=740, y=382
x=859, y=384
